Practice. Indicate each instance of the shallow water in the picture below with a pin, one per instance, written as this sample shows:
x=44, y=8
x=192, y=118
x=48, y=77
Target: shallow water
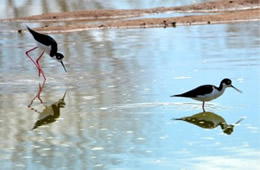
x=18, y=8
x=117, y=111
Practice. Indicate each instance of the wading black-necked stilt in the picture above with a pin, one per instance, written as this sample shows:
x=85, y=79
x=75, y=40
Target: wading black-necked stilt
x=48, y=45
x=207, y=92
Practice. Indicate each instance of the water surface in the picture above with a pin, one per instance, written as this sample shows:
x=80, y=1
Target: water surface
x=117, y=113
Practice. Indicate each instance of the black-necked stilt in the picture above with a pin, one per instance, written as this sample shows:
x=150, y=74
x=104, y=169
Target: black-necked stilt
x=209, y=120
x=207, y=92
x=48, y=45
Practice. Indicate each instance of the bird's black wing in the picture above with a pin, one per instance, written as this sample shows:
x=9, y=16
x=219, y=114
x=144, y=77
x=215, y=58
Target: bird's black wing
x=45, y=40
x=201, y=90
x=54, y=48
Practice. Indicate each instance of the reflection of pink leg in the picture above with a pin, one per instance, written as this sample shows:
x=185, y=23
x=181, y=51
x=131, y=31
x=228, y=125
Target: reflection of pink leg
x=37, y=62
x=203, y=106
x=40, y=90
x=38, y=95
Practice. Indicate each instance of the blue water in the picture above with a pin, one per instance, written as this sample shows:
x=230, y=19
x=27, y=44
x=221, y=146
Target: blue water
x=118, y=113
x=21, y=8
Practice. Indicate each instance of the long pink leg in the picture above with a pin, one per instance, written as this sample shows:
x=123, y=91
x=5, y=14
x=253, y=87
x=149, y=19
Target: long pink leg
x=27, y=53
x=39, y=68
x=37, y=62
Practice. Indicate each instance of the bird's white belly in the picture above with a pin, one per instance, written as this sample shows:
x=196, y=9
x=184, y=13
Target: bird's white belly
x=46, y=49
x=207, y=97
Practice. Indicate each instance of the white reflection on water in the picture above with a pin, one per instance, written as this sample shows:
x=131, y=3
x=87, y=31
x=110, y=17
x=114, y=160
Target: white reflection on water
x=238, y=158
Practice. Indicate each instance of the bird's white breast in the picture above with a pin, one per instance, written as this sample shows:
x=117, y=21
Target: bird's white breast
x=46, y=49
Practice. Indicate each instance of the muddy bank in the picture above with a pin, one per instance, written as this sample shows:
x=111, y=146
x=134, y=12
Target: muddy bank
x=237, y=16
x=220, y=11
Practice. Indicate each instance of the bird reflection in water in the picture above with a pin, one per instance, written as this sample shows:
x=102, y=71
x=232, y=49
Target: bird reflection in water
x=209, y=120
x=50, y=113
x=37, y=96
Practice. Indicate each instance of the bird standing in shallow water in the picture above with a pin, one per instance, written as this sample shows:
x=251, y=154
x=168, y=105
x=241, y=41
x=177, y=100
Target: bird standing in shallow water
x=207, y=92
x=48, y=45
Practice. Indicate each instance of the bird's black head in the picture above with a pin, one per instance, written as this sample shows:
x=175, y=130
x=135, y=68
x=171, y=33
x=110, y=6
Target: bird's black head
x=59, y=57
x=226, y=82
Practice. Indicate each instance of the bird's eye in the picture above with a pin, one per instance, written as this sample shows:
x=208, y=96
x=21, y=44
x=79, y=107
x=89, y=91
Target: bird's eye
x=59, y=57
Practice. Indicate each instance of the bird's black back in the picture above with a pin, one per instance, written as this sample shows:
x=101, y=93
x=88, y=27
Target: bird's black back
x=201, y=90
x=45, y=40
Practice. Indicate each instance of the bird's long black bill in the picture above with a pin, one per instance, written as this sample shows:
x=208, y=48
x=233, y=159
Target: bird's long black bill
x=63, y=66
x=236, y=89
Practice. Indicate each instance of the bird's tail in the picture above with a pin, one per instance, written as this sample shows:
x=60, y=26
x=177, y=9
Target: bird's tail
x=29, y=29
x=176, y=95
x=24, y=26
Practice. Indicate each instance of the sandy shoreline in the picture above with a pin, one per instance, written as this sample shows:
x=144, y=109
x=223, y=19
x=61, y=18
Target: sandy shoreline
x=215, y=12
